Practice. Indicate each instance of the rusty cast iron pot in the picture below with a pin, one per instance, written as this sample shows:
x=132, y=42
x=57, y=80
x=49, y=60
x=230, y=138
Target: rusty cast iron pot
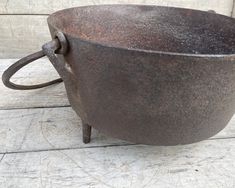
x=145, y=74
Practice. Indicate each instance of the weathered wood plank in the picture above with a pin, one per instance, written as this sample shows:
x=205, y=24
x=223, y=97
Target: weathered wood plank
x=43, y=129
x=55, y=128
x=22, y=35
x=233, y=9
x=47, y=6
x=206, y=164
x=37, y=72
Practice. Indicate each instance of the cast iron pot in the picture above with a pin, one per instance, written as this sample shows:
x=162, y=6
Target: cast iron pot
x=145, y=74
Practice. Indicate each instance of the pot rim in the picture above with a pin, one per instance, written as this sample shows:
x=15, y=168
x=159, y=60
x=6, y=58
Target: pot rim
x=159, y=52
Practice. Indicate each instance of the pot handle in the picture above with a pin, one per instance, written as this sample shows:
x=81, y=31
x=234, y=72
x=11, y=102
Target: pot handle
x=58, y=45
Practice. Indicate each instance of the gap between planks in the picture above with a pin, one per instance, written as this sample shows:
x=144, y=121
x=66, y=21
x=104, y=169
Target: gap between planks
x=71, y=148
x=104, y=146
x=23, y=14
x=35, y=107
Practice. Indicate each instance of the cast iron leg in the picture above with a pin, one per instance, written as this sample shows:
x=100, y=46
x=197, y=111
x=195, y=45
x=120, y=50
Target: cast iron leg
x=86, y=133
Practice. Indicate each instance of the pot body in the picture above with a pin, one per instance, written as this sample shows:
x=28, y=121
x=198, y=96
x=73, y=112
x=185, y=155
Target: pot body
x=149, y=98
x=145, y=96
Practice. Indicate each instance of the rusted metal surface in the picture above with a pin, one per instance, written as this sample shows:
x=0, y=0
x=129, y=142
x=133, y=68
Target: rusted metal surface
x=86, y=133
x=147, y=74
x=17, y=66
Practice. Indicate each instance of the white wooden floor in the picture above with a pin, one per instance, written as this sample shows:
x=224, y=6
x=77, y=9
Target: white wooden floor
x=41, y=146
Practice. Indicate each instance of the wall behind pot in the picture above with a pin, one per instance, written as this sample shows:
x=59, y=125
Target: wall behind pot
x=23, y=27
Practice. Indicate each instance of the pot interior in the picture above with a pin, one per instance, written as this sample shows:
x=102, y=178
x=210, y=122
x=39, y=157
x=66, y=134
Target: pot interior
x=154, y=28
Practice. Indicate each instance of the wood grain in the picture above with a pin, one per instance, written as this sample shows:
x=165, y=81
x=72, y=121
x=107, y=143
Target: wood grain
x=47, y=6
x=22, y=35
x=207, y=164
x=45, y=129
x=37, y=72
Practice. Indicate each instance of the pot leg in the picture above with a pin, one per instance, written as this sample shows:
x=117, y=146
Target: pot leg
x=86, y=133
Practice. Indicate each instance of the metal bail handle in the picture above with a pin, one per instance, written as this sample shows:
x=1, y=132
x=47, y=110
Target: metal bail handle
x=57, y=45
